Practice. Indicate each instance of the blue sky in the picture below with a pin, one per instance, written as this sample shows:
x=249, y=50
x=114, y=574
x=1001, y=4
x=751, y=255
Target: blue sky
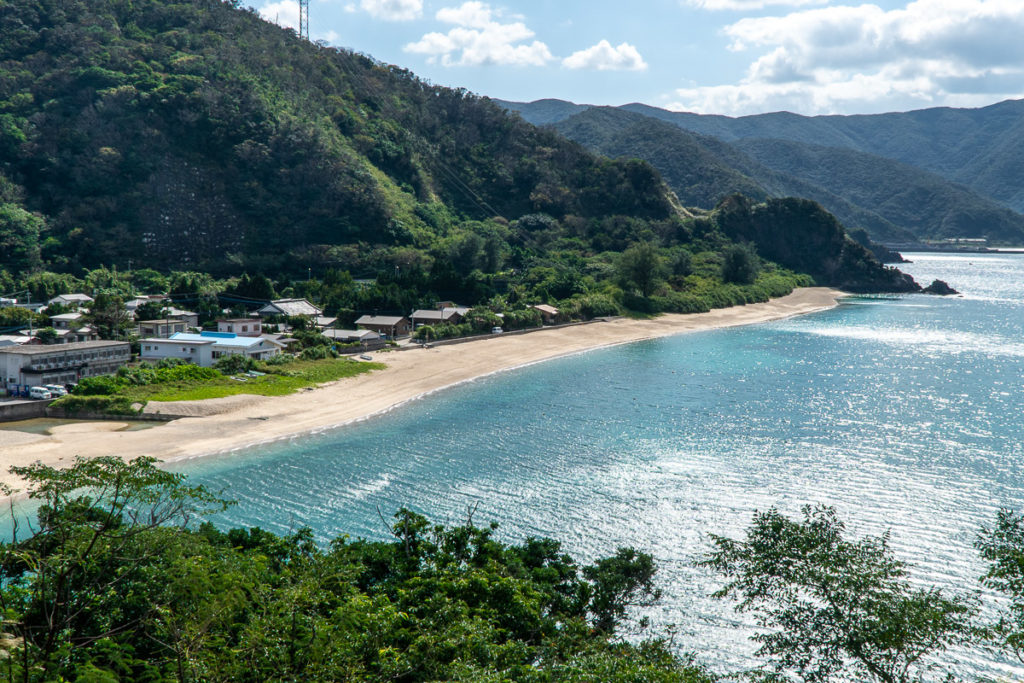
x=730, y=57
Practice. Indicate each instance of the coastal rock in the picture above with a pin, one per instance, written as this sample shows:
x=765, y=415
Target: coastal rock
x=939, y=287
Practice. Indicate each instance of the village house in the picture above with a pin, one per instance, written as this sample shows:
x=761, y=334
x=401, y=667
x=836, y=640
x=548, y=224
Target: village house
x=322, y=322
x=205, y=348
x=243, y=327
x=548, y=313
x=190, y=318
x=163, y=327
x=289, y=307
x=446, y=314
x=67, y=321
x=72, y=327
x=26, y=365
x=391, y=326
x=72, y=300
x=19, y=339
x=367, y=339
x=132, y=304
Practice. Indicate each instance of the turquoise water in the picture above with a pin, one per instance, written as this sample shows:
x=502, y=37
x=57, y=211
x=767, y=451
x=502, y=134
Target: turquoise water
x=903, y=412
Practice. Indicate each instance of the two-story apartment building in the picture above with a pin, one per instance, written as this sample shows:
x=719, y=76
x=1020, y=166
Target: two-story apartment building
x=32, y=365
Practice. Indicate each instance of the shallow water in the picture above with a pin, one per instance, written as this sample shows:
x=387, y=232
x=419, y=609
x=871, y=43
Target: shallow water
x=45, y=425
x=903, y=412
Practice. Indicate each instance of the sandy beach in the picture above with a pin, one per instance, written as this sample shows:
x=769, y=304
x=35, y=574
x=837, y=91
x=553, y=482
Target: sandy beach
x=233, y=423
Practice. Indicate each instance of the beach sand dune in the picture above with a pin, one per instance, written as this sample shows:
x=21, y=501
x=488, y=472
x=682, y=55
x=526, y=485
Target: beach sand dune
x=231, y=424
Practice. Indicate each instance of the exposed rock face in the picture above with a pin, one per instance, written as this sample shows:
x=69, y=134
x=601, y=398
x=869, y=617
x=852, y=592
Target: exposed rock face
x=939, y=287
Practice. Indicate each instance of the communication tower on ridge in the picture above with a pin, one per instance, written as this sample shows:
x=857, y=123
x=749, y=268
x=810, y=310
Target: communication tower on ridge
x=304, y=19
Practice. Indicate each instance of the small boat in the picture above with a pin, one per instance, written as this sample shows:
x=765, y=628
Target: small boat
x=366, y=357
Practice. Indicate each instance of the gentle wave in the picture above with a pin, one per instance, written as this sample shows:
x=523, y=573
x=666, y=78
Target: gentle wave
x=945, y=341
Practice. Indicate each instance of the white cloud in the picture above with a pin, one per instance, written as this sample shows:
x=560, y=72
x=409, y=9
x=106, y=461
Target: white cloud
x=864, y=58
x=604, y=57
x=468, y=14
x=480, y=38
x=747, y=5
x=393, y=10
x=283, y=13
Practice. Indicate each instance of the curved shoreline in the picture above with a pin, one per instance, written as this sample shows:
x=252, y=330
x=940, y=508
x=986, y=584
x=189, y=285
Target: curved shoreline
x=409, y=375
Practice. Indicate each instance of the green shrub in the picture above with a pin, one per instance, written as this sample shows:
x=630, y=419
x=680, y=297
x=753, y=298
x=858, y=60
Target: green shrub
x=111, y=405
x=98, y=386
x=520, y=320
x=234, y=364
x=318, y=353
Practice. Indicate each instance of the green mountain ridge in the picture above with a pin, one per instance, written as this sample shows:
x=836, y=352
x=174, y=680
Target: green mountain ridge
x=967, y=163
x=982, y=148
x=703, y=170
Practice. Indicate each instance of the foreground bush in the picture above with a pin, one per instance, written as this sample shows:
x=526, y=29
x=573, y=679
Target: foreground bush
x=119, y=583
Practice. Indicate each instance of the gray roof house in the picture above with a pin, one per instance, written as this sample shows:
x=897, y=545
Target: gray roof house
x=453, y=314
x=289, y=307
x=388, y=325
x=71, y=300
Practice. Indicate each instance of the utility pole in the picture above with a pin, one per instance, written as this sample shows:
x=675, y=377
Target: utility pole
x=304, y=19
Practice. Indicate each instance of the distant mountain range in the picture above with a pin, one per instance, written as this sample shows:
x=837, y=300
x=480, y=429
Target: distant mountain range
x=924, y=174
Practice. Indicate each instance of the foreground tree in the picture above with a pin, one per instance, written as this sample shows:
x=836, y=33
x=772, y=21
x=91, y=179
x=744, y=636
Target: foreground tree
x=83, y=575
x=117, y=583
x=836, y=609
x=1003, y=547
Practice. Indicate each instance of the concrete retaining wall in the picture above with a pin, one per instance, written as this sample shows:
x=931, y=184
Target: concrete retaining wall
x=85, y=415
x=22, y=410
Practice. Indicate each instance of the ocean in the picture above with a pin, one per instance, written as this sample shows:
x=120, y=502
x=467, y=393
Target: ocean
x=903, y=412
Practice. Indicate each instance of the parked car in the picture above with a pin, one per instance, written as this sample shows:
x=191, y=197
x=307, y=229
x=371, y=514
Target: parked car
x=56, y=390
x=39, y=393
x=496, y=330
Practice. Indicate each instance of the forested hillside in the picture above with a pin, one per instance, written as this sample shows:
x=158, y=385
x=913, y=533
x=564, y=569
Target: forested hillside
x=923, y=203
x=195, y=134
x=703, y=170
x=982, y=148
x=921, y=175
x=192, y=139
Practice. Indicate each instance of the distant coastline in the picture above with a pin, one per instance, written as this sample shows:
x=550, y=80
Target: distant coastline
x=238, y=422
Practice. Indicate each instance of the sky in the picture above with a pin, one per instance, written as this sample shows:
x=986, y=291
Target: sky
x=731, y=57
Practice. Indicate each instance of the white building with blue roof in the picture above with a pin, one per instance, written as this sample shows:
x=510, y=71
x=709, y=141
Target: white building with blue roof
x=205, y=348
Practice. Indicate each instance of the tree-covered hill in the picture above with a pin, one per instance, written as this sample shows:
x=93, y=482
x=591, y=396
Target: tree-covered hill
x=193, y=133
x=700, y=175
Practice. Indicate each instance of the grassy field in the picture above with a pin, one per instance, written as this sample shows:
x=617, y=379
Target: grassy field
x=121, y=395
x=291, y=378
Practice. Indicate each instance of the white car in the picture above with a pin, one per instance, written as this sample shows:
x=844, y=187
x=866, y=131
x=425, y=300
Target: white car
x=56, y=390
x=39, y=393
